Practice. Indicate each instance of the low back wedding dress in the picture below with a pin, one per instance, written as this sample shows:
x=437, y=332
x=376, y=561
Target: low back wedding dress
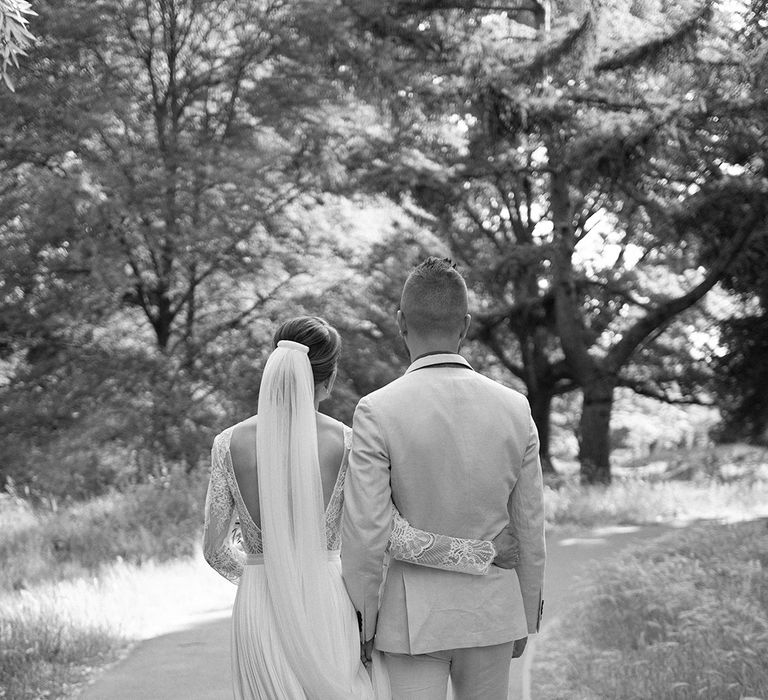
x=294, y=631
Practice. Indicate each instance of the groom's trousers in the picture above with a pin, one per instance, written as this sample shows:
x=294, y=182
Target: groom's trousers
x=476, y=673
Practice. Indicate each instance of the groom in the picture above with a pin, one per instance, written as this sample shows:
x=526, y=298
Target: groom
x=458, y=454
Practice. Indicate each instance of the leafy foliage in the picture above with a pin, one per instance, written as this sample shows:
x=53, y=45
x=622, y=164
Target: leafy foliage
x=743, y=379
x=15, y=36
x=156, y=209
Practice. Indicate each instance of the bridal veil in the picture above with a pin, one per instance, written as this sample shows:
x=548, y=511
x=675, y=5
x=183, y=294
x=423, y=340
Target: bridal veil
x=314, y=621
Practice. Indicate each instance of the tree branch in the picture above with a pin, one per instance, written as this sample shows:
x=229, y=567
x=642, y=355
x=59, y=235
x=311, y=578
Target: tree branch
x=479, y=224
x=663, y=313
x=492, y=319
x=138, y=285
x=613, y=289
x=261, y=299
x=607, y=101
x=410, y=7
x=644, y=389
x=487, y=337
x=554, y=52
x=651, y=49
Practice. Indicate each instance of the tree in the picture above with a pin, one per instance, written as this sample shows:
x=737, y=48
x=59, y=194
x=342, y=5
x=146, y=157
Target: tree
x=187, y=142
x=579, y=174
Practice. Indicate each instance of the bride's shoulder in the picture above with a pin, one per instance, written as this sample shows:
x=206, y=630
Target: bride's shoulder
x=331, y=431
x=326, y=420
x=346, y=435
x=244, y=431
x=247, y=424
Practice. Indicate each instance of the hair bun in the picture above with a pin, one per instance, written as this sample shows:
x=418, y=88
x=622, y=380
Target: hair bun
x=293, y=345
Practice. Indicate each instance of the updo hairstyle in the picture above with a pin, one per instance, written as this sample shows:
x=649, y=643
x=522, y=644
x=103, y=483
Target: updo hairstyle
x=322, y=339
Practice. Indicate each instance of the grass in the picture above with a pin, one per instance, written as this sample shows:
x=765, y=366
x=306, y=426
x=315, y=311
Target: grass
x=685, y=617
x=48, y=648
x=726, y=482
x=157, y=521
x=635, y=501
x=55, y=634
x=78, y=585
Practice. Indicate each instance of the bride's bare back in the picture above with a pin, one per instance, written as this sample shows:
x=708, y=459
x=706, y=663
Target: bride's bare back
x=242, y=448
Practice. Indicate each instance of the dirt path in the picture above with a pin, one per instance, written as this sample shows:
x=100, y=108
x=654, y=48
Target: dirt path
x=193, y=663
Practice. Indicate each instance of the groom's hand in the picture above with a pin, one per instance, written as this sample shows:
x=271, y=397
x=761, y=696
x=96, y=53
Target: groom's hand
x=519, y=647
x=366, y=650
x=507, y=549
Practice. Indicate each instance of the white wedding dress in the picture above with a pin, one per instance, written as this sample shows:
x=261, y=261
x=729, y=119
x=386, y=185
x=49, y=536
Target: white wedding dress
x=294, y=630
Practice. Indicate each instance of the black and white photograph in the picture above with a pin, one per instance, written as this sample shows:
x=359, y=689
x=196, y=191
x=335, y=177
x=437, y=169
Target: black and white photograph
x=384, y=349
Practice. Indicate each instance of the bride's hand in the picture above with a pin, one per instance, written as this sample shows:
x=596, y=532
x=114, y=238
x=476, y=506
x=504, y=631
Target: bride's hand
x=507, y=549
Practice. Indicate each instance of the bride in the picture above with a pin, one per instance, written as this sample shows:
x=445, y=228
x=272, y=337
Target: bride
x=277, y=485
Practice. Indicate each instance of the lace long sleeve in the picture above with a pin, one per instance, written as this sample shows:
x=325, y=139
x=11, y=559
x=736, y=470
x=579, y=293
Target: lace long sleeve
x=220, y=529
x=410, y=544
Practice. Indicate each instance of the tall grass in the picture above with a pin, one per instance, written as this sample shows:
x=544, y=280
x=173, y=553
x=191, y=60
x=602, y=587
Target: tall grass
x=636, y=501
x=156, y=521
x=78, y=585
x=52, y=635
x=683, y=618
x=46, y=647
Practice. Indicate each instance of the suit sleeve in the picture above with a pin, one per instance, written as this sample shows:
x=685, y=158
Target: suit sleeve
x=526, y=515
x=367, y=517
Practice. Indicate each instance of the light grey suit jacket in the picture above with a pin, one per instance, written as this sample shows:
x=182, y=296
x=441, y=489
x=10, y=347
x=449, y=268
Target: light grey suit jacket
x=458, y=454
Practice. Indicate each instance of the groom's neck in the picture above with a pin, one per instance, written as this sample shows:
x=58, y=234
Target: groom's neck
x=418, y=347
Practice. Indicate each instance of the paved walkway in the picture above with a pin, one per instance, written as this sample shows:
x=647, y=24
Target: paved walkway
x=189, y=664
x=193, y=663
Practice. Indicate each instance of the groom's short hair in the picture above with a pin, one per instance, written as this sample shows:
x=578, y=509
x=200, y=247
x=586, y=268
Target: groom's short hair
x=434, y=298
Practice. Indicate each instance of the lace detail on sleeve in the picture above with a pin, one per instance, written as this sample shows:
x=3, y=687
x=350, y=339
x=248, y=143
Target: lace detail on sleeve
x=221, y=531
x=410, y=544
x=407, y=543
x=336, y=504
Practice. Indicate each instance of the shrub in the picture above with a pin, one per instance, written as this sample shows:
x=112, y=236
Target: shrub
x=159, y=520
x=685, y=617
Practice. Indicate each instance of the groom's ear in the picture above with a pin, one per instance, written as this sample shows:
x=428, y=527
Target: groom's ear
x=401, y=322
x=465, y=330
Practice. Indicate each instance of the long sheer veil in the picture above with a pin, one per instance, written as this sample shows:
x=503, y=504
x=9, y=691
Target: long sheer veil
x=293, y=525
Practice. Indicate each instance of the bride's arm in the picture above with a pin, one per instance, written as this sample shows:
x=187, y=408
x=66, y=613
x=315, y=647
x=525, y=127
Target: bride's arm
x=218, y=547
x=410, y=544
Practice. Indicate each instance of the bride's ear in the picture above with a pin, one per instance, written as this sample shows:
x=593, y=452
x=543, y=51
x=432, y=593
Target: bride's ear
x=331, y=381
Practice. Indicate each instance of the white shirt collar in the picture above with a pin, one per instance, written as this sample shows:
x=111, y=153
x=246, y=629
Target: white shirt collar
x=441, y=358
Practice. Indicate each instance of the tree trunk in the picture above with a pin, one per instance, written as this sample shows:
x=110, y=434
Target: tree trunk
x=163, y=321
x=595, y=432
x=541, y=408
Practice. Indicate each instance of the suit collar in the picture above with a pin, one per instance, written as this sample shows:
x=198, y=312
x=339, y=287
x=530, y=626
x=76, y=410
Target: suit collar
x=440, y=358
